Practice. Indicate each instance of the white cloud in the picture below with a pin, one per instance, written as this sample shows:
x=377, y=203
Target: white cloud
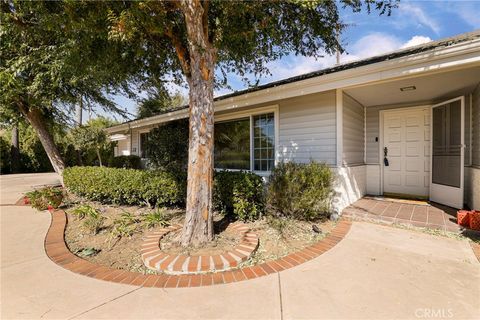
x=415, y=41
x=410, y=12
x=372, y=44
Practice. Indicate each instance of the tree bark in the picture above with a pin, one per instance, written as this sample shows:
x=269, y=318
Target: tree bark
x=15, y=150
x=35, y=117
x=198, y=227
x=78, y=114
x=99, y=157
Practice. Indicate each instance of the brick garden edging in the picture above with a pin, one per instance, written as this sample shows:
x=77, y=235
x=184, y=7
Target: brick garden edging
x=59, y=253
x=153, y=258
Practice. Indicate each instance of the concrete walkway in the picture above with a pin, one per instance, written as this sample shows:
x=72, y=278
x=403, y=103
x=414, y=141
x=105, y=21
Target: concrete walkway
x=375, y=272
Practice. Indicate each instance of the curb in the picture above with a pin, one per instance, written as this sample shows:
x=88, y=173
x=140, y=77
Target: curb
x=57, y=250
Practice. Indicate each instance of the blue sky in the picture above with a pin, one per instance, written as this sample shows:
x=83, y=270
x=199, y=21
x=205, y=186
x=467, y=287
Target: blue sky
x=414, y=22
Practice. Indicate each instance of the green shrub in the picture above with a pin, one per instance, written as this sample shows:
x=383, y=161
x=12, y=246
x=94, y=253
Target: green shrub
x=126, y=162
x=300, y=191
x=156, y=218
x=43, y=198
x=5, y=161
x=239, y=193
x=125, y=186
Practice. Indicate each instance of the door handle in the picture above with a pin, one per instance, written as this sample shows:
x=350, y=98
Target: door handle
x=385, y=160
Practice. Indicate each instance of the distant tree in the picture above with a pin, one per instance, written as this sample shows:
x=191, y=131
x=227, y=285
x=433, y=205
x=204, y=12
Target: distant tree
x=47, y=62
x=160, y=102
x=92, y=136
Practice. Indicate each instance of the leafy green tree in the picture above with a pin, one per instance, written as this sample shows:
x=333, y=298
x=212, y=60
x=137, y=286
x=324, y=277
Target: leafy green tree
x=47, y=62
x=160, y=102
x=191, y=39
x=92, y=136
x=50, y=50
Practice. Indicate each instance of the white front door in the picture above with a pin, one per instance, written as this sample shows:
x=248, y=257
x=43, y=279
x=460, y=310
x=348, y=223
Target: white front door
x=446, y=185
x=405, y=151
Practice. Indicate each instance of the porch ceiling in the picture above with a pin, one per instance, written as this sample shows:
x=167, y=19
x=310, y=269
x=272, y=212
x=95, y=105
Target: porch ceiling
x=431, y=87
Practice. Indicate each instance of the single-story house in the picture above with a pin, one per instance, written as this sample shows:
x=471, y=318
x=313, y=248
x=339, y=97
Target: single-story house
x=405, y=123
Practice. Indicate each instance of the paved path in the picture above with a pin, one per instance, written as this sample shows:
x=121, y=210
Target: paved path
x=375, y=272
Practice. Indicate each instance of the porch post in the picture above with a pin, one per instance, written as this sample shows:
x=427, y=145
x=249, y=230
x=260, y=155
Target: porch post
x=339, y=126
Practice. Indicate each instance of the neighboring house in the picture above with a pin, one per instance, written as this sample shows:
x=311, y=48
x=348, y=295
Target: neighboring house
x=356, y=117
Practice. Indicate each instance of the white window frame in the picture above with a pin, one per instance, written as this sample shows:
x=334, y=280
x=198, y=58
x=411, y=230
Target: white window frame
x=250, y=114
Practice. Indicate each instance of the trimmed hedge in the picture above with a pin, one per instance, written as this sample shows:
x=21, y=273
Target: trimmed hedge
x=239, y=193
x=125, y=186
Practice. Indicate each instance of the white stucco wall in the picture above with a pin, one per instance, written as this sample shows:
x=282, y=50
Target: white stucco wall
x=350, y=185
x=472, y=187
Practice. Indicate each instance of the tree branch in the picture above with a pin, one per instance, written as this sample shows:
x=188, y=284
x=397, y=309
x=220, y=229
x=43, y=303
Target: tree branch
x=182, y=52
x=206, y=4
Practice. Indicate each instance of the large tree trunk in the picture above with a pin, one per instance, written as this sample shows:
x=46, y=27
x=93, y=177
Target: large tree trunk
x=35, y=117
x=198, y=227
x=15, y=150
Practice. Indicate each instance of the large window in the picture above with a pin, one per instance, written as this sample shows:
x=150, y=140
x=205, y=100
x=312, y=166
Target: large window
x=245, y=143
x=232, y=144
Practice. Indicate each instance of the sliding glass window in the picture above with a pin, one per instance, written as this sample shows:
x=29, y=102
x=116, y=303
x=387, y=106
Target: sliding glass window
x=245, y=143
x=232, y=144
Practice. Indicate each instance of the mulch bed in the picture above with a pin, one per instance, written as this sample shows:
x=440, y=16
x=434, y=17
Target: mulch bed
x=277, y=238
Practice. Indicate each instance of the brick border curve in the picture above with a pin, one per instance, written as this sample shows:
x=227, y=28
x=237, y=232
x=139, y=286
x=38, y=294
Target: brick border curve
x=155, y=259
x=57, y=250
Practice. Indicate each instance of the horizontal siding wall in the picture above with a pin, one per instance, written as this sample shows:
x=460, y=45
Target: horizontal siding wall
x=307, y=128
x=353, y=131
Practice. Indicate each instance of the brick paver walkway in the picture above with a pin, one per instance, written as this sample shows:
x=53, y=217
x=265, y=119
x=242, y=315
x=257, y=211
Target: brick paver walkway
x=413, y=213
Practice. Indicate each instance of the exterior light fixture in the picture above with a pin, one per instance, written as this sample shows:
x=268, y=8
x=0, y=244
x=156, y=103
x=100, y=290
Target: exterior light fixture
x=409, y=88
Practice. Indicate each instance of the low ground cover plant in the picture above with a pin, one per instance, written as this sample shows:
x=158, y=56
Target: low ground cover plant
x=158, y=217
x=92, y=218
x=300, y=191
x=44, y=198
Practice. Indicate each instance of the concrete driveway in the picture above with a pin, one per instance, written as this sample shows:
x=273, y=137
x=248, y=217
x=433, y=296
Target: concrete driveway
x=375, y=272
